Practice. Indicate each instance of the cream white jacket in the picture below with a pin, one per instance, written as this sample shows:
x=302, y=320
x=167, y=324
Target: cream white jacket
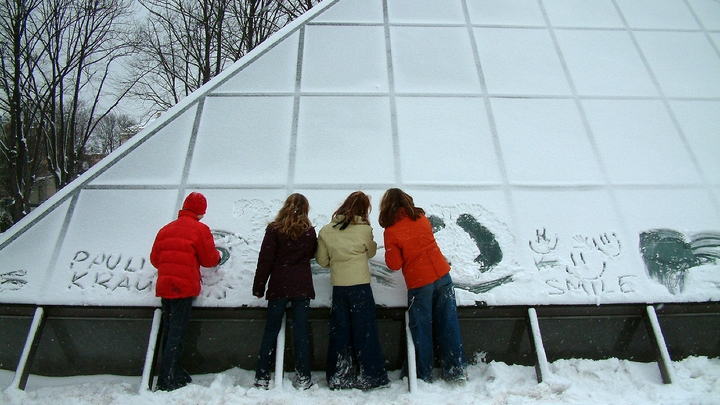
x=346, y=251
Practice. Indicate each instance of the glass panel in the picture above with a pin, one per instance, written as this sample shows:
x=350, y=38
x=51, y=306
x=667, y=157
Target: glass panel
x=638, y=143
x=684, y=63
x=442, y=62
x=104, y=259
x=425, y=11
x=344, y=59
x=273, y=72
x=598, y=13
x=144, y=165
x=238, y=138
x=604, y=63
x=506, y=12
x=520, y=61
x=701, y=127
x=25, y=261
x=445, y=141
x=344, y=140
x=657, y=14
x=555, y=148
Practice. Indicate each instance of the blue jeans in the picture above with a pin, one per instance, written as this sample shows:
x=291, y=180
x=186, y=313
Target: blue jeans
x=355, y=358
x=175, y=320
x=301, y=341
x=434, y=327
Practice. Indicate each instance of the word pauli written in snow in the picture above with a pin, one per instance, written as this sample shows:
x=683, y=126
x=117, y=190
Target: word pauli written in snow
x=110, y=271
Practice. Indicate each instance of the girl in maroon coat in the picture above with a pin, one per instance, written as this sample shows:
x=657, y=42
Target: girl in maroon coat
x=289, y=244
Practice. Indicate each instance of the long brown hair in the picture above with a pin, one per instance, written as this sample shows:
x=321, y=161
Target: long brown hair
x=392, y=201
x=292, y=219
x=356, y=204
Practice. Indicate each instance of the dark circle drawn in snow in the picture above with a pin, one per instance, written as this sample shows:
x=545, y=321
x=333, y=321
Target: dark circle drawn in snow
x=224, y=255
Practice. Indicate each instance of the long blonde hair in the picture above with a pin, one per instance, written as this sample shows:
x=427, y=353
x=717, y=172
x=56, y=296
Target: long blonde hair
x=292, y=219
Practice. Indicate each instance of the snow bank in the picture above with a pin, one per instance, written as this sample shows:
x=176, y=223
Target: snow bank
x=574, y=381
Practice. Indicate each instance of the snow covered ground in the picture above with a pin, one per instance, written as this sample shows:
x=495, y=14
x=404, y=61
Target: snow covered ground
x=573, y=381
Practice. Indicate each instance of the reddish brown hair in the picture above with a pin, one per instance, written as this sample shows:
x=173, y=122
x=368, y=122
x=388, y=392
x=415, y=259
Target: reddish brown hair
x=392, y=201
x=292, y=219
x=356, y=204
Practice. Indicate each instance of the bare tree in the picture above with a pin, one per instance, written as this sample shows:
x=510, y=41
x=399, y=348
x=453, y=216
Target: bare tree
x=20, y=146
x=111, y=132
x=185, y=43
x=83, y=40
x=180, y=49
x=56, y=59
x=295, y=8
x=254, y=22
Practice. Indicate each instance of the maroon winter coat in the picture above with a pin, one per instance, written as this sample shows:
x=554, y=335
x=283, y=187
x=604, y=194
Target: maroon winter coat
x=287, y=263
x=180, y=248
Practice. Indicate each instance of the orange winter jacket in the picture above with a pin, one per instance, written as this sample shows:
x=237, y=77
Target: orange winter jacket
x=180, y=248
x=411, y=245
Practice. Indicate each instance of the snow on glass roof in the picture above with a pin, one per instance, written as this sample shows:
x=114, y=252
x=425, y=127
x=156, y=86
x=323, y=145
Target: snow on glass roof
x=565, y=151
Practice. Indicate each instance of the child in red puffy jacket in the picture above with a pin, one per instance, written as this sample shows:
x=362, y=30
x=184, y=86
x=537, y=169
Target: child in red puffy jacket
x=180, y=248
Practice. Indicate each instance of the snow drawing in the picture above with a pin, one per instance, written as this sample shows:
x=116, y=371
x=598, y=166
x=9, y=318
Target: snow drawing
x=477, y=245
x=12, y=280
x=561, y=267
x=584, y=268
x=670, y=255
x=218, y=281
x=473, y=249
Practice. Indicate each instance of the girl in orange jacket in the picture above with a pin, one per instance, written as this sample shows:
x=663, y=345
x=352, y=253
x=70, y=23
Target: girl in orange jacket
x=410, y=245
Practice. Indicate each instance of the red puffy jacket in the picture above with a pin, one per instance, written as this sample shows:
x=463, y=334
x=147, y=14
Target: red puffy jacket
x=411, y=245
x=180, y=248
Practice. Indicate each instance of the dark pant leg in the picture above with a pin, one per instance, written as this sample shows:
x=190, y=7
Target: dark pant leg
x=366, y=338
x=300, y=331
x=421, y=328
x=447, y=330
x=273, y=323
x=176, y=317
x=340, y=369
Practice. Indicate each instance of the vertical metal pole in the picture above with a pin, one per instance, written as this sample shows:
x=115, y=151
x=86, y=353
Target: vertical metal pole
x=661, y=351
x=412, y=366
x=28, y=354
x=146, y=383
x=541, y=367
x=280, y=353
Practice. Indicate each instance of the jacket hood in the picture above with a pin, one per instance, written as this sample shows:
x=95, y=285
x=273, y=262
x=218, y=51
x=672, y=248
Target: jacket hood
x=195, y=202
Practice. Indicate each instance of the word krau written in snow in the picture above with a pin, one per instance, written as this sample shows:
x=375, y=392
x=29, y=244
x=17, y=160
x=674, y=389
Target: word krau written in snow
x=110, y=271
